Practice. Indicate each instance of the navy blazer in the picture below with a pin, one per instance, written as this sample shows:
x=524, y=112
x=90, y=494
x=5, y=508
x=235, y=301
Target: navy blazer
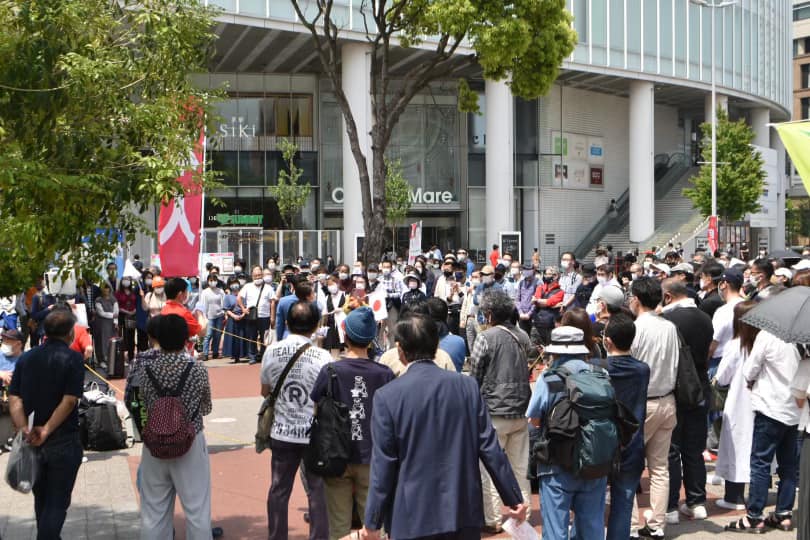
x=430, y=427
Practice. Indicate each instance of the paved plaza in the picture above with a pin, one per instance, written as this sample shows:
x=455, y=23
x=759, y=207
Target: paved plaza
x=105, y=501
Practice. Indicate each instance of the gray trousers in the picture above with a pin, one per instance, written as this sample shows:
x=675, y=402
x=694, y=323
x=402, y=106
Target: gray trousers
x=189, y=477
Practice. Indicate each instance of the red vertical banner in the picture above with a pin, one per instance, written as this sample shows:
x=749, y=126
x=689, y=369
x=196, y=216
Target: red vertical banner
x=712, y=234
x=179, y=224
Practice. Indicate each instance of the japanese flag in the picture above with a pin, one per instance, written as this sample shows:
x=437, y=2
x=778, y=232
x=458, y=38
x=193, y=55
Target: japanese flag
x=376, y=301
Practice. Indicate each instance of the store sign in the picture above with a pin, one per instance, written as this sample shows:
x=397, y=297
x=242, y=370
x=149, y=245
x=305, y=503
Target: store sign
x=237, y=219
x=596, y=176
x=236, y=129
x=418, y=196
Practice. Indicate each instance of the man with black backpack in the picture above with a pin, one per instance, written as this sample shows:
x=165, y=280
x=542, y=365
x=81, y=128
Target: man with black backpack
x=574, y=406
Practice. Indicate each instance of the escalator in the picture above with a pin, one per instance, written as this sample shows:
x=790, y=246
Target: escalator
x=668, y=171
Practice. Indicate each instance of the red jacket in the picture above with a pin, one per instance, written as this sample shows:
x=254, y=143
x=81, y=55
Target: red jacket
x=556, y=295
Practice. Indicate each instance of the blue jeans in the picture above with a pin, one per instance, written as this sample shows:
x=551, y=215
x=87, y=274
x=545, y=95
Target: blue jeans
x=772, y=438
x=561, y=492
x=60, y=459
x=214, y=332
x=622, y=493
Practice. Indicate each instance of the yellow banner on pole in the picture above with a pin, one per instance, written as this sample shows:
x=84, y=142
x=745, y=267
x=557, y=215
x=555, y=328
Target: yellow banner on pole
x=796, y=138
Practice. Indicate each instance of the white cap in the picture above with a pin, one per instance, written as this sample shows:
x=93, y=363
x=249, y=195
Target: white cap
x=784, y=272
x=803, y=264
x=663, y=267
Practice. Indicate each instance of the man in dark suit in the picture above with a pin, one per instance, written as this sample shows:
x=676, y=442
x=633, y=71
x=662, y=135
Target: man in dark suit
x=430, y=428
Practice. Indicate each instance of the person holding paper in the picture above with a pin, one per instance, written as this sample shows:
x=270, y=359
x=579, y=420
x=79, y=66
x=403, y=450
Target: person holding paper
x=47, y=384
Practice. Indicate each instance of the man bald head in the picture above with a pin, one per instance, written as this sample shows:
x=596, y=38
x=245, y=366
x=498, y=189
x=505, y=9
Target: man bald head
x=672, y=290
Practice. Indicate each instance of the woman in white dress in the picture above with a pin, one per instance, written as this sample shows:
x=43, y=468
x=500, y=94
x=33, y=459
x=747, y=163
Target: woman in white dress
x=734, y=455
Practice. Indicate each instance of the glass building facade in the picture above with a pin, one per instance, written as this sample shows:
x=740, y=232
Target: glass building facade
x=443, y=151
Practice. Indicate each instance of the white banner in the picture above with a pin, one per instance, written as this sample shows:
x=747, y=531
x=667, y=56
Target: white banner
x=415, y=246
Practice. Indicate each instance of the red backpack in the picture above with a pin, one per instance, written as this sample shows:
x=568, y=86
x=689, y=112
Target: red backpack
x=169, y=432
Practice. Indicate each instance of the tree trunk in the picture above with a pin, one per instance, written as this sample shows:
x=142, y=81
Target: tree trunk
x=374, y=221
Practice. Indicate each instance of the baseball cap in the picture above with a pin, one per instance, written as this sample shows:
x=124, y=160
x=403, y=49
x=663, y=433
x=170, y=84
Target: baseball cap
x=684, y=267
x=13, y=334
x=612, y=296
x=487, y=270
x=784, y=272
x=588, y=269
x=663, y=267
x=803, y=264
x=732, y=275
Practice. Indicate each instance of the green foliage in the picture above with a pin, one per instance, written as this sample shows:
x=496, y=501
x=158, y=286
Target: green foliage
x=290, y=196
x=97, y=120
x=797, y=220
x=740, y=173
x=521, y=41
x=397, y=193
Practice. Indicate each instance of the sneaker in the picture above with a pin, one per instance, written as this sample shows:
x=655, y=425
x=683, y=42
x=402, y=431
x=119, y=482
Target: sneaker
x=695, y=512
x=672, y=518
x=722, y=503
x=715, y=480
x=649, y=532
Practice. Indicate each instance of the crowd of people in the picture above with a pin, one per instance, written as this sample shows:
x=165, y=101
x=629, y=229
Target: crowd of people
x=467, y=361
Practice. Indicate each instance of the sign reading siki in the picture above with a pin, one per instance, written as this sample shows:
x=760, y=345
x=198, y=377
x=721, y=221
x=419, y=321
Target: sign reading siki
x=236, y=129
x=418, y=196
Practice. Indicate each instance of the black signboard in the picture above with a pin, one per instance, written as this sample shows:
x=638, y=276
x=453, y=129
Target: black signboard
x=510, y=243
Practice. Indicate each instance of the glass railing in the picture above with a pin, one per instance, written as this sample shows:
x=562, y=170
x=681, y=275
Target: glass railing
x=347, y=14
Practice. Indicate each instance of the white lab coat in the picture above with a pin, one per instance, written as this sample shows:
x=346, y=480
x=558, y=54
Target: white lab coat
x=734, y=454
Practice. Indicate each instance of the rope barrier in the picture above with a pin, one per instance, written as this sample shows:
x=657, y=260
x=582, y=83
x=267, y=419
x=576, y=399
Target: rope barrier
x=225, y=332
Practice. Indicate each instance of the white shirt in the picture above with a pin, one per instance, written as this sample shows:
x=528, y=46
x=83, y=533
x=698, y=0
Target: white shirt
x=569, y=281
x=723, y=323
x=656, y=344
x=250, y=295
x=294, y=408
x=800, y=388
x=771, y=366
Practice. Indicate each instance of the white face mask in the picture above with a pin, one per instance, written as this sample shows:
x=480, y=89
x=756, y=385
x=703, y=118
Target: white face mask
x=412, y=285
x=372, y=275
x=258, y=282
x=333, y=289
x=462, y=258
x=646, y=265
x=475, y=282
x=514, y=271
x=314, y=266
x=271, y=267
x=159, y=291
x=212, y=284
x=237, y=269
x=322, y=278
x=357, y=270
x=602, y=280
x=242, y=281
x=147, y=282
x=6, y=349
x=564, y=265
x=342, y=276
x=268, y=279
x=488, y=279
x=125, y=283
x=360, y=286
x=386, y=272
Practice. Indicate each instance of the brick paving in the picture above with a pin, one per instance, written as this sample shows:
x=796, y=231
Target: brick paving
x=105, y=501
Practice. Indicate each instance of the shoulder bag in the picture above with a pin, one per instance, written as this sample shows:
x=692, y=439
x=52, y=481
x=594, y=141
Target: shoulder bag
x=253, y=311
x=267, y=412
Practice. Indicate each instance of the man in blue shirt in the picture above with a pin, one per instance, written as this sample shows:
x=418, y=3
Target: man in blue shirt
x=561, y=491
x=10, y=351
x=303, y=292
x=450, y=343
x=48, y=382
x=629, y=378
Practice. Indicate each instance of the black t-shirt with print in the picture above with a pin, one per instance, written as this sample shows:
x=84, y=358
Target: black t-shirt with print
x=357, y=380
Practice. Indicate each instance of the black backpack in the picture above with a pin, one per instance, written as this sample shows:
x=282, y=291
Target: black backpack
x=330, y=441
x=101, y=428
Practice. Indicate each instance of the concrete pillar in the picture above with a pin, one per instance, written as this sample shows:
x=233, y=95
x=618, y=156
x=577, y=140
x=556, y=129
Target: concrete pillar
x=500, y=204
x=760, y=117
x=777, y=234
x=642, y=175
x=356, y=73
x=722, y=103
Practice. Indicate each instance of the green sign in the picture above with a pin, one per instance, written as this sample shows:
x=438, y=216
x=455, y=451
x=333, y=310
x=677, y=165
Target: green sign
x=239, y=219
x=561, y=145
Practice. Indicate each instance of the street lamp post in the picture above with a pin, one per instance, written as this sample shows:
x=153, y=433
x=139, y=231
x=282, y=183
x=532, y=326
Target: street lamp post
x=714, y=6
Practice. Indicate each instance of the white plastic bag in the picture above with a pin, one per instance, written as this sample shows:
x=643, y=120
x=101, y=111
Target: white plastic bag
x=22, y=470
x=523, y=531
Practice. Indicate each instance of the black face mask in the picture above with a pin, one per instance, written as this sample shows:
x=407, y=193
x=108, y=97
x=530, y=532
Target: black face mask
x=498, y=276
x=547, y=279
x=447, y=273
x=459, y=276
